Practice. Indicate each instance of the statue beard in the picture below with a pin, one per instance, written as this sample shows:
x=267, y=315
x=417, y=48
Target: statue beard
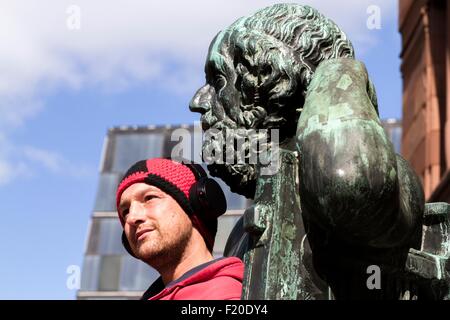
x=239, y=176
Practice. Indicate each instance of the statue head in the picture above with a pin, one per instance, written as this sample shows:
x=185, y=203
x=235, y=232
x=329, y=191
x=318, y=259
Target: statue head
x=257, y=75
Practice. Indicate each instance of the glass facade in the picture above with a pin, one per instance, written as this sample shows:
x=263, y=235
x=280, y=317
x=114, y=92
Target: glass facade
x=106, y=192
x=130, y=148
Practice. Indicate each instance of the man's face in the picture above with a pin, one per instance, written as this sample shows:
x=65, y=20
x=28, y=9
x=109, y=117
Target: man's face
x=156, y=226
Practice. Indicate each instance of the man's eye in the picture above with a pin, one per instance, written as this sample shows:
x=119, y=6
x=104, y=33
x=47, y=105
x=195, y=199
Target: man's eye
x=149, y=197
x=125, y=212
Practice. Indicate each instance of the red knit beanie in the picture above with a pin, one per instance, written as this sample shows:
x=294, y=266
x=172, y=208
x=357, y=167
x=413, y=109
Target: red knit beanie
x=175, y=179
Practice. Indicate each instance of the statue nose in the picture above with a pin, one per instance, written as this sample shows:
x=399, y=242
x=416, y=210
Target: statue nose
x=201, y=102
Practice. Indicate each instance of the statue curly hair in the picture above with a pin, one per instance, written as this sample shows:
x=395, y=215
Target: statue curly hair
x=276, y=52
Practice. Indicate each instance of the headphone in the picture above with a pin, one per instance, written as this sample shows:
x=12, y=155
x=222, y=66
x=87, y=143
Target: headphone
x=206, y=198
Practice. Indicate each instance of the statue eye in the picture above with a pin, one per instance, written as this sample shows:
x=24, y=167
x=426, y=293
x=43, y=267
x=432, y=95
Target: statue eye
x=219, y=82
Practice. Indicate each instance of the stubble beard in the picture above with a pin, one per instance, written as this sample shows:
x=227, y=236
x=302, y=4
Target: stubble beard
x=166, y=250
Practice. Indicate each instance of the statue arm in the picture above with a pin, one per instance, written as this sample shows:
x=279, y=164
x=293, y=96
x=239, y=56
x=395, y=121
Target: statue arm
x=349, y=173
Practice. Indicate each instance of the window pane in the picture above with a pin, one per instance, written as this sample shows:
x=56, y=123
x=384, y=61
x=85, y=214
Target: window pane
x=106, y=192
x=145, y=276
x=110, y=241
x=136, y=275
x=94, y=232
x=89, y=276
x=128, y=273
x=225, y=225
x=109, y=273
x=130, y=148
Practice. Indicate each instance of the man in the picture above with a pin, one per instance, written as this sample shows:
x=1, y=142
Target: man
x=169, y=213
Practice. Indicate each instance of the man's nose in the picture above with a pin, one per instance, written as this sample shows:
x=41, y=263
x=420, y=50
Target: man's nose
x=136, y=212
x=201, y=102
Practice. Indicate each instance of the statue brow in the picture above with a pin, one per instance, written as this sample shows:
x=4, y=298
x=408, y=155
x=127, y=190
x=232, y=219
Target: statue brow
x=216, y=64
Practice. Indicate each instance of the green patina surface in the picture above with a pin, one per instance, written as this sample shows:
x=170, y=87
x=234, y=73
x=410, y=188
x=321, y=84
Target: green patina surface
x=280, y=276
x=341, y=195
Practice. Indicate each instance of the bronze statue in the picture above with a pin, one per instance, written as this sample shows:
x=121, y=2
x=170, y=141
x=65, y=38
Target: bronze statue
x=342, y=202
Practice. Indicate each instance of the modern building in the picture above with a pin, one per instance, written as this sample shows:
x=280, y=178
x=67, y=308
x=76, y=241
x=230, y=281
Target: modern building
x=109, y=272
x=425, y=29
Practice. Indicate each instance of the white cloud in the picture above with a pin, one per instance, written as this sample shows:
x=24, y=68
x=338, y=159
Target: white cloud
x=9, y=169
x=25, y=161
x=5, y=169
x=50, y=160
x=15, y=110
x=55, y=163
x=122, y=43
x=128, y=41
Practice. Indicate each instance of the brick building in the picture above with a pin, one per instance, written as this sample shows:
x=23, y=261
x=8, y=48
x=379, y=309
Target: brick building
x=425, y=29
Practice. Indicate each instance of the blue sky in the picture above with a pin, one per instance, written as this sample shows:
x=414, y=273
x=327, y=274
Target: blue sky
x=130, y=63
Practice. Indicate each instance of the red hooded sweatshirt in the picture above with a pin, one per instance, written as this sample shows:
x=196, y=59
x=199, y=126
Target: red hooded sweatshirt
x=220, y=279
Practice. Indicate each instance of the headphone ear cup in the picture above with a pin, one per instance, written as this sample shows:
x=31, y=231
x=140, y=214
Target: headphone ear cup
x=126, y=244
x=207, y=198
